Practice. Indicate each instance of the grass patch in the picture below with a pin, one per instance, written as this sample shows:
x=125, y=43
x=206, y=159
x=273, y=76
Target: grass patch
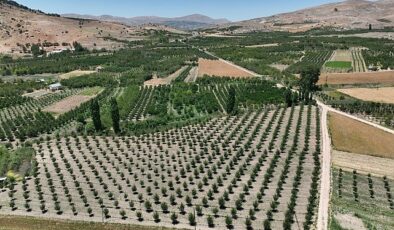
x=375, y=213
x=22, y=223
x=339, y=64
x=92, y=91
x=352, y=136
x=19, y=161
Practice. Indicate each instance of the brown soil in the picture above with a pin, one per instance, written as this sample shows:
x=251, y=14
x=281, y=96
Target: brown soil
x=67, y=104
x=377, y=166
x=384, y=77
x=76, y=73
x=352, y=136
x=220, y=68
x=385, y=95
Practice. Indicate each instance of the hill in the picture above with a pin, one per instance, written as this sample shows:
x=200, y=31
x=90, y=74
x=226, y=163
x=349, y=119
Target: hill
x=351, y=14
x=20, y=27
x=190, y=22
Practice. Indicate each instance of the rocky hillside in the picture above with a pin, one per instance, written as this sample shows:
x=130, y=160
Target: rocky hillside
x=21, y=27
x=349, y=14
x=190, y=22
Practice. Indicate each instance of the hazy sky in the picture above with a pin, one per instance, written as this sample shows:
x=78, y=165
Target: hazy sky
x=234, y=10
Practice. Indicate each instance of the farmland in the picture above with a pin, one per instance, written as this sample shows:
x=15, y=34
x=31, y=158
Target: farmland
x=362, y=199
x=355, y=137
x=221, y=181
x=196, y=131
x=383, y=95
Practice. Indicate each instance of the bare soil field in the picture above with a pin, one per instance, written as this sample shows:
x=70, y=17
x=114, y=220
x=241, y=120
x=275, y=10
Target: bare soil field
x=383, y=77
x=164, y=81
x=76, y=73
x=364, y=164
x=263, y=45
x=342, y=55
x=220, y=68
x=280, y=67
x=352, y=136
x=24, y=223
x=67, y=104
x=385, y=95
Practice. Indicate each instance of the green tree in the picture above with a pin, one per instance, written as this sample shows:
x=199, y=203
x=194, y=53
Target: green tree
x=115, y=115
x=231, y=103
x=307, y=83
x=95, y=110
x=78, y=47
x=35, y=50
x=288, y=97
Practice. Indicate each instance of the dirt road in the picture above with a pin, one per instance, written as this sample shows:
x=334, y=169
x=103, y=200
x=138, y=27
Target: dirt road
x=325, y=180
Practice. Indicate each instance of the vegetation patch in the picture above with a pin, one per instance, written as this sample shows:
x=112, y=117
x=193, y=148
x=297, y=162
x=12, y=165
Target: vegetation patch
x=338, y=64
x=20, y=161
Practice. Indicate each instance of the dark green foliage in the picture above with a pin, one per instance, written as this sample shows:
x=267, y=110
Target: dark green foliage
x=231, y=107
x=78, y=47
x=95, y=111
x=104, y=80
x=36, y=50
x=307, y=83
x=115, y=115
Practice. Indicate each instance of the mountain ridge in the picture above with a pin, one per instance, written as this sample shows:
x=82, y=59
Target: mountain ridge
x=188, y=22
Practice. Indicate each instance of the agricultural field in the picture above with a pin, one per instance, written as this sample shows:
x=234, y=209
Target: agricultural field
x=261, y=163
x=220, y=69
x=361, y=201
x=355, y=137
x=383, y=78
x=380, y=95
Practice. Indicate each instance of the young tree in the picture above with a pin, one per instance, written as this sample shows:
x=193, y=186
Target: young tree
x=231, y=103
x=95, y=110
x=115, y=115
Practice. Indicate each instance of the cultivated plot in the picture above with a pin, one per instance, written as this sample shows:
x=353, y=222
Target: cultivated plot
x=259, y=168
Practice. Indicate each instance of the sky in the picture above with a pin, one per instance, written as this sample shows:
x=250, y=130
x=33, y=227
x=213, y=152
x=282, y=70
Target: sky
x=234, y=10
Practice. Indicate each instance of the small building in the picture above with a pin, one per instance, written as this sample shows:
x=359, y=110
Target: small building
x=55, y=87
x=99, y=69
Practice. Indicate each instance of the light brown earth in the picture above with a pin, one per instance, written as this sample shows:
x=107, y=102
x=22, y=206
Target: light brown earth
x=23, y=27
x=164, y=81
x=220, y=68
x=349, y=221
x=76, y=73
x=365, y=164
x=263, y=45
x=382, y=77
x=341, y=15
x=67, y=104
x=27, y=223
x=342, y=55
x=353, y=136
x=385, y=95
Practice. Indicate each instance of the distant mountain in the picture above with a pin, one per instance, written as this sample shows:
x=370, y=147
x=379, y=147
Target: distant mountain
x=190, y=22
x=344, y=15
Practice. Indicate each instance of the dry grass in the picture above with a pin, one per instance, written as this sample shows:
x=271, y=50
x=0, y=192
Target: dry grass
x=67, y=104
x=220, y=68
x=76, y=73
x=342, y=55
x=384, y=77
x=353, y=136
x=364, y=164
x=27, y=223
x=385, y=95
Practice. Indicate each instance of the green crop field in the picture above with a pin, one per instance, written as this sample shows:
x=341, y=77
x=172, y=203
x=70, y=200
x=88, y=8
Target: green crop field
x=339, y=64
